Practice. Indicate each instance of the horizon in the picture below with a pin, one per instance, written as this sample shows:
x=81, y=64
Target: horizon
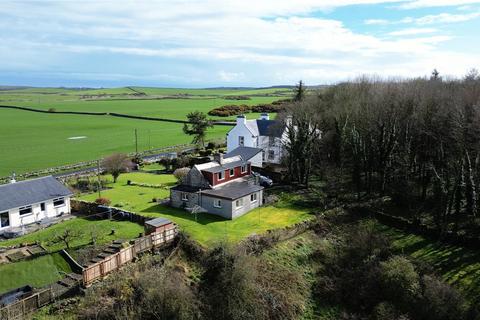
x=194, y=44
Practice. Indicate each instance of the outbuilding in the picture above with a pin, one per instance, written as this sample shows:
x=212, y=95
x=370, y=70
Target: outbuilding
x=158, y=225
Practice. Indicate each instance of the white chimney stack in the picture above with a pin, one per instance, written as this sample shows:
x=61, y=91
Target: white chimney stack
x=264, y=116
x=241, y=119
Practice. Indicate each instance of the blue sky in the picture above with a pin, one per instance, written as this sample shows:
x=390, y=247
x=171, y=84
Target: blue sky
x=211, y=43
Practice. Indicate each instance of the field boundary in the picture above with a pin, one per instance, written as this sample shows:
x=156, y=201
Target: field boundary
x=112, y=114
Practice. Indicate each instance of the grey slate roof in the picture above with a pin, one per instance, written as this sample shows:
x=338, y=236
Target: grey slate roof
x=225, y=166
x=266, y=128
x=233, y=190
x=246, y=153
x=186, y=188
x=27, y=192
x=158, y=222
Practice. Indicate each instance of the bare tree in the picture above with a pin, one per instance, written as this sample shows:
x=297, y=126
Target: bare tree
x=116, y=164
x=67, y=236
x=181, y=173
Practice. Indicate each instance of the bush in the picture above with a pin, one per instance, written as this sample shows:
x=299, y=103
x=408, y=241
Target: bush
x=52, y=110
x=181, y=173
x=103, y=201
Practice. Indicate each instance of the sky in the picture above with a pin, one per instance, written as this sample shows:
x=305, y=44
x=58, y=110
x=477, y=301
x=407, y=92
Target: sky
x=214, y=43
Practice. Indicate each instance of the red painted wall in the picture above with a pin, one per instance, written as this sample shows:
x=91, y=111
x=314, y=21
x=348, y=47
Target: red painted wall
x=213, y=178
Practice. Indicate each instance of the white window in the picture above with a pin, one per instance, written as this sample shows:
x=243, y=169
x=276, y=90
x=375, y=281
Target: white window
x=271, y=154
x=244, y=168
x=42, y=206
x=239, y=203
x=184, y=196
x=25, y=210
x=220, y=175
x=58, y=202
x=253, y=197
x=241, y=140
x=217, y=203
x=4, y=219
x=232, y=172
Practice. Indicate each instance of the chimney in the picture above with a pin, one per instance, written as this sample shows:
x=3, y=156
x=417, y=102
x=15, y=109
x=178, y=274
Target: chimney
x=241, y=119
x=13, y=180
x=218, y=157
x=264, y=116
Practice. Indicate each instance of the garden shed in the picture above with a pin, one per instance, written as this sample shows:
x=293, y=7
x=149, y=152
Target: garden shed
x=158, y=225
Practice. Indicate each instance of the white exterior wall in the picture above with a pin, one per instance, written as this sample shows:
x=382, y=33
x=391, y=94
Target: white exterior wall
x=276, y=147
x=50, y=211
x=240, y=130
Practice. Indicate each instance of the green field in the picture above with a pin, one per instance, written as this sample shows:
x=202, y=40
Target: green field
x=36, y=272
x=208, y=229
x=33, y=141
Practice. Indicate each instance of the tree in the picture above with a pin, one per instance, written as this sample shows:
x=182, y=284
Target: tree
x=116, y=164
x=67, y=236
x=181, y=173
x=435, y=75
x=197, y=127
x=299, y=91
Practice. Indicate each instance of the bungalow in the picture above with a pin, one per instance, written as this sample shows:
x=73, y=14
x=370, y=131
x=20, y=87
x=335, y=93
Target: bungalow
x=223, y=187
x=29, y=201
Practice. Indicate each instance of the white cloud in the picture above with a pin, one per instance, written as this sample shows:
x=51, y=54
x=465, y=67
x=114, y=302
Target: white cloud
x=443, y=18
x=412, y=31
x=377, y=22
x=415, y=4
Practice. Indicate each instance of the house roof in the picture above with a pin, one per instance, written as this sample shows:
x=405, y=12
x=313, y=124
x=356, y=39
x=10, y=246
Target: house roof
x=233, y=190
x=261, y=127
x=186, y=188
x=226, y=166
x=158, y=222
x=27, y=192
x=246, y=153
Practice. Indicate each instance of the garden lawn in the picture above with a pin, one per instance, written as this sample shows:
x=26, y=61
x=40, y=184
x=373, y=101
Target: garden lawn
x=103, y=228
x=36, y=272
x=457, y=265
x=208, y=229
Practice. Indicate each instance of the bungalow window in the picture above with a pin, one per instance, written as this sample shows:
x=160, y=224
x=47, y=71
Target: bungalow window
x=239, y=203
x=271, y=154
x=220, y=175
x=58, y=202
x=184, y=196
x=241, y=141
x=217, y=203
x=42, y=206
x=4, y=219
x=253, y=197
x=25, y=210
x=232, y=172
x=244, y=168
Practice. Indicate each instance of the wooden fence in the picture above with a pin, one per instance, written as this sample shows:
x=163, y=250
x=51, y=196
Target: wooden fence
x=21, y=308
x=113, y=262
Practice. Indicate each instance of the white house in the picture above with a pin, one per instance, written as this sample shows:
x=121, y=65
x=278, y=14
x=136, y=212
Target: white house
x=29, y=201
x=265, y=134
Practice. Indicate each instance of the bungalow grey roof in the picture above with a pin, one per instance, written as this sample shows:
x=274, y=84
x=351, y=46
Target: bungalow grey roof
x=233, y=190
x=186, y=188
x=225, y=166
x=246, y=153
x=27, y=192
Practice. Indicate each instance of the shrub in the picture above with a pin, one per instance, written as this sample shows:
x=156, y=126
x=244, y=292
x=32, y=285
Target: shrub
x=401, y=282
x=52, y=110
x=181, y=173
x=103, y=201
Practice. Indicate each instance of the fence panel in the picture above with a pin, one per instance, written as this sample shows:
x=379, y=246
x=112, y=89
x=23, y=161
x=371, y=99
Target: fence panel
x=143, y=244
x=125, y=255
x=157, y=239
x=4, y=313
x=44, y=297
x=30, y=304
x=15, y=310
x=109, y=264
x=92, y=273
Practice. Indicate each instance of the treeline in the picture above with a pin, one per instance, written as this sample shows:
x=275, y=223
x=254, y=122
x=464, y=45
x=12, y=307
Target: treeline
x=232, y=110
x=415, y=140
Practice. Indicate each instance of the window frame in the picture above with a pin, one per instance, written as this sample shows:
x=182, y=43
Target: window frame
x=231, y=172
x=237, y=205
x=217, y=203
x=271, y=154
x=8, y=219
x=242, y=167
x=241, y=141
x=42, y=206
x=222, y=173
x=184, y=196
x=29, y=207
x=58, y=205
x=253, y=197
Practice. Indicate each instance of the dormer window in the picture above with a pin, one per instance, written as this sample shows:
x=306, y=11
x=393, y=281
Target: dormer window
x=232, y=172
x=244, y=168
x=220, y=175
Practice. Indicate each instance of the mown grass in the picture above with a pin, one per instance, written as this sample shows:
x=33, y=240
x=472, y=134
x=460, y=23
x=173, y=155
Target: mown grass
x=207, y=229
x=85, y=227
x=36, y=272
x=457, y=265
